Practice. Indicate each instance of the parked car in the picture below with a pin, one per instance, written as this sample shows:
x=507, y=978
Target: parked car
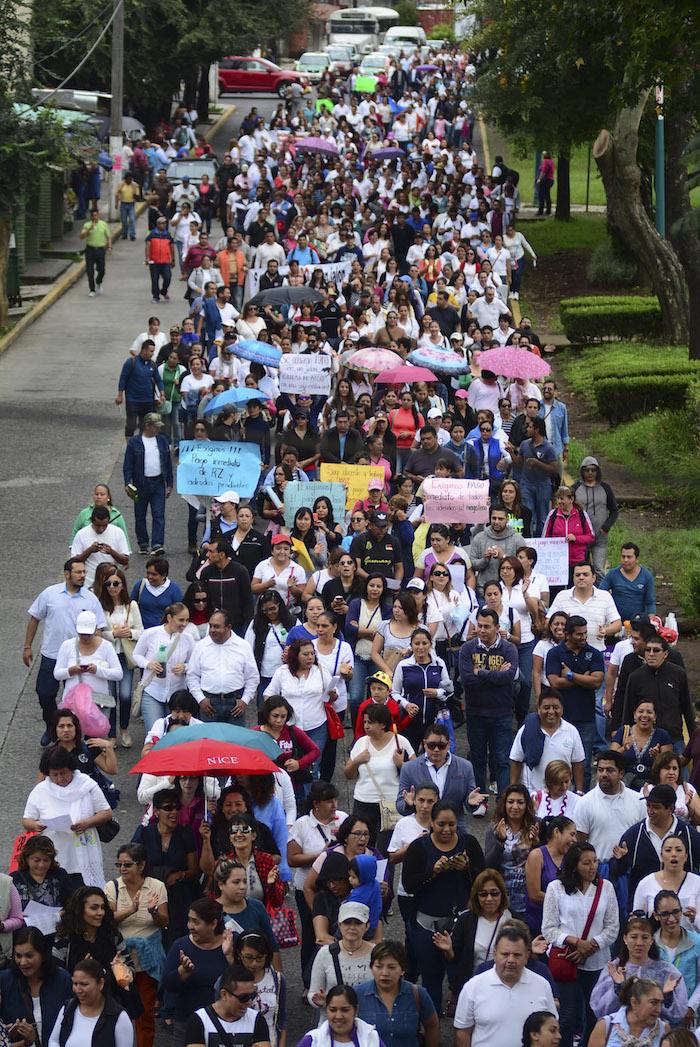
x=253, y=74
x=393, y=50
x=192, y=168
x=374, y=63
x=343, y=58
x=313, y=64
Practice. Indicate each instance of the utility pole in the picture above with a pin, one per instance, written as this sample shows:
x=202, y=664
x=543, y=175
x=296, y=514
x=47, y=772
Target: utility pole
x=117, y=115
x=660, y=173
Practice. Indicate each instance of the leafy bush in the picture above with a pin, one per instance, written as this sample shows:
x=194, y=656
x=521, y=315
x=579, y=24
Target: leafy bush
x=608, y=268
x=692, y=402
x=442, y=31
x=619, y=358
x=612, y=319
x=600, y=300
x=620, y=399
x=406, y=10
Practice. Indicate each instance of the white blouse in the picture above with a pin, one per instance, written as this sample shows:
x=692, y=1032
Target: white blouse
x=565, y=915
x=305, y=694
x=161, y=687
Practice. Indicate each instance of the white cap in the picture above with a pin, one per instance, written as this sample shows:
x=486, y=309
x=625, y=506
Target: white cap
x=86, y=623
x=353, y=911
x=434, y=412
x=228, y=496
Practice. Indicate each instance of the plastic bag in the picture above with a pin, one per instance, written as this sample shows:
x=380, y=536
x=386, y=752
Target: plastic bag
x=443, y=716
x=93, y=722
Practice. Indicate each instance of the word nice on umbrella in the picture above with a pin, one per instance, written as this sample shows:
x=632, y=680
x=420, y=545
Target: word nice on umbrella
x=230, y=733
x=204, y=757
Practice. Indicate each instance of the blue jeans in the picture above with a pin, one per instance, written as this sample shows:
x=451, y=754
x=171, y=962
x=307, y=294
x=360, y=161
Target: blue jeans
x=223, y=708
x=575, y=1014
x=516, y=275
x=357, y=688
x=406, y=909
x=319, y=735
x=160, y=271
x=152, y=709
x=587, y=731
x=493, y=734
x=151, y=492
x=539, y=500
x=523, y=685
x=192, y=525
x=121, y=690
x=431, y=964
x=47, y=688
x=128, y=213
x=237, y=296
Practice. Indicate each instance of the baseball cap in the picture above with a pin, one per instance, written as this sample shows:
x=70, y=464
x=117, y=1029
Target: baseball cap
x=375, y=485
x=379, y=518
x=185, y=178
x=462, y=394
x=354, y=336
x=281, y=538
x=86, y=623
x=228, y=496
x=416, y=583
x=153, y=419
x=381, y=677
x=456, y=337
x=161, y=218
x=434, y=412
x=663, y=794
x=353, y=911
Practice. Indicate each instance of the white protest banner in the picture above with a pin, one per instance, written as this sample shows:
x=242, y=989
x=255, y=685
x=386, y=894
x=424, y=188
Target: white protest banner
x=297, y=494
x=355, y=476
x=552, y=558
x=208, y=468
x=338, y=272
x=455, y=501
x=306, y=375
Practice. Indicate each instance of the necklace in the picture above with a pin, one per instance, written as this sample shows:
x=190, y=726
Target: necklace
x=548, y=804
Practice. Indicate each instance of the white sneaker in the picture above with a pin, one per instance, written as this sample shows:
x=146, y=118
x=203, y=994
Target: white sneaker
x=480, y=812
x=91, y=294
x=99, y=288
x=126, y=741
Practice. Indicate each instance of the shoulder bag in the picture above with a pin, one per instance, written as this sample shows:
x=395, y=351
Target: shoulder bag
x=561, y=967
x=388, y=814
x=145, y=681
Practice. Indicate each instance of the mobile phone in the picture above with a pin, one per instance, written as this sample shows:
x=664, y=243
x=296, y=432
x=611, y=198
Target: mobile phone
x=315, y=516
x=84, y=668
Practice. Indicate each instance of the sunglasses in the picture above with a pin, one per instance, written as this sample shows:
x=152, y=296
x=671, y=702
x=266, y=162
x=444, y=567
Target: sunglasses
x=441, y=574
x=245, y=997
x=170, y=806
x=436, y=745
x=489, y=894
x=237, y=829
x=197, y=600
x=485, y=429
x=124, y=865
x=113, y=585
x=654, y=650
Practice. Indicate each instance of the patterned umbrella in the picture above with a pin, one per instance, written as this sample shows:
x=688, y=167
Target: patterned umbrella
x=317, y=145
x=444, y=361
x=513, y=362
x=258, y=352
x=221, y=732
x=389, y=153
x=404, y=373
x=373, y=361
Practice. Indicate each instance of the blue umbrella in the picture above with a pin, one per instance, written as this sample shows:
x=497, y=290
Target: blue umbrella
x=104, y=160
x=258, y=352
x=442, y=361
x=237, y=397
x=222, y=732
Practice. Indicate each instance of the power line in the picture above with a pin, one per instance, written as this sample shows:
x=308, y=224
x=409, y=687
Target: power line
x=82, y=32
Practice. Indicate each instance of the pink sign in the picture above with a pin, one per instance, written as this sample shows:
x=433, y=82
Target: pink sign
x=455, y=501
x=117, y=162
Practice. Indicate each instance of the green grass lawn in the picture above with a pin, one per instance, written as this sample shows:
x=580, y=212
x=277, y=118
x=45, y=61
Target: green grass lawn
x=600, y=360
x=577, y=176
x=581, y=233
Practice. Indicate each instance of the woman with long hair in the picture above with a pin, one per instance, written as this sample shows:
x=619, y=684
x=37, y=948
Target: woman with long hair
x=100, y=496
x=33, y=989
x=273, y=804
x=334, y=654
x=267, y=634
x=339, y=592
x=509, y=839
x=392, y=640
x=254, y=950
x=678, y=946
x=313, y=538
x=672, y=876
x=666, y=770
x=124, y=627
x=38, y=876
x=510, y=499
x=553, y=635
x=517, y=596
x=543, y=864
x=446, y=601
x=375, y=762
x=576, y=899
x=641, y=744
x=342, y=398
x=325, y=523
x=365, y=613
x=91, y=753
x=299, y=753
x=198, y=602
x=304, y=683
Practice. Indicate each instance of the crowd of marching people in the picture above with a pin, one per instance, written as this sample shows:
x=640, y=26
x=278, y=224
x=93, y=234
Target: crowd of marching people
x=520, y=856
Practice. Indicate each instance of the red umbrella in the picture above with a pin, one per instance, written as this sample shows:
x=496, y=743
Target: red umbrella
x=513, y=362
x=205, y=757
x=406, y=373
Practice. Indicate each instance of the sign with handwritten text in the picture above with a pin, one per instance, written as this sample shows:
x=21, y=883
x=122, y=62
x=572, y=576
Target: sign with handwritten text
x=355, y=476
x=208, y=468
x=455, y=501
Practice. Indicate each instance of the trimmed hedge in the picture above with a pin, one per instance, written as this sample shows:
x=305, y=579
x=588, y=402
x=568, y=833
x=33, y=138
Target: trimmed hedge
x=601, y=300
x=603, y=317
x=620, y=399
x=686, y=367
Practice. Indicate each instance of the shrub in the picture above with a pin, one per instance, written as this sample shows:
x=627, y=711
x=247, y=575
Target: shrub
x=567, y=304
x=608, y=268
x=612, y=319
x=692, y=402
x=406, y=10
x=442, y=31
x=620, y=399
x=619, y=358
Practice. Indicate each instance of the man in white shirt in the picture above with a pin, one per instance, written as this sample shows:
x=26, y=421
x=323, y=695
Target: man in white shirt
x=605, y=813
x=185, y=191
x=489, y=309
x=222, y=674
x=493, y=1007
x=561, y=741
x=100, y=542
x=268, y=251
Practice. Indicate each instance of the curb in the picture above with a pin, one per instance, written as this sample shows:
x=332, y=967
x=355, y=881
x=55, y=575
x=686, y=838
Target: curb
x=76, y=271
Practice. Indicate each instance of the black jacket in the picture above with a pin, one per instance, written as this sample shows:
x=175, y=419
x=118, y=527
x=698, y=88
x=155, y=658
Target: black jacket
x=642, y=859
x=330, y=446
x=630, y=664
x=230, y=590
x=667, y=687
x=254, y=548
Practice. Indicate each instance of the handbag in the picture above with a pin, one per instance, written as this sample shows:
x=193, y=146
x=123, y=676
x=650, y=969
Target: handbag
x=284, y=927
x=143, y=683
x=388, y=815
x=335, y=725
x=392, y=657
x=305, y=775
x=108, y=831
x=561, y=967
x=167, y=406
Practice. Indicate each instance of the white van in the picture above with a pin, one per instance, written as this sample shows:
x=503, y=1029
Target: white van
x=407, y=37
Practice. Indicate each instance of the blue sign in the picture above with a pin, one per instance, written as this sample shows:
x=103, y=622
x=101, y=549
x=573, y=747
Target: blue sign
x=208, y=468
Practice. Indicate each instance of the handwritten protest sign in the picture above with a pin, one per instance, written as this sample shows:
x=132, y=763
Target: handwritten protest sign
x=18, y=845
x=455, y=501
x=355, y=476
x=297, y=494
x=307, y=375
x=552, y=559
x=208, y=468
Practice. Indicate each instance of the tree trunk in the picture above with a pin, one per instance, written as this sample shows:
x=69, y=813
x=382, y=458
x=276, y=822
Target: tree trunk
x=679, y=129
x=616, y=157
x=563, y=208
x=203, y=95
x=5, y=234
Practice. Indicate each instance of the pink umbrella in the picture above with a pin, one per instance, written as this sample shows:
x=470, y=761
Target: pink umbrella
x=406, y=373
x=372, y=360
x=512, y=362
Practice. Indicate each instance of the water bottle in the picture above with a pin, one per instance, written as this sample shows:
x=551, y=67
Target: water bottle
x=162, y=655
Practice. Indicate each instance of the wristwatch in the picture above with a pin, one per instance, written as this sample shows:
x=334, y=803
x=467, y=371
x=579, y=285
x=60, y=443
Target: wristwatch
x=570, y=674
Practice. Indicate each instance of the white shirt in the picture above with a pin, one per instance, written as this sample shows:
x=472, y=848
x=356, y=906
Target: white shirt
x=598, y=609
x=306, y=695
x=163, y=685
x=342, y=652
x=657, y=841
x=496, y=1012
x=219, y=668
x=605, y=818
x=105, y=658
x=160, y=339
x=112, y=535
x=565, y=744
x=151, y=456
x=688, y=895
x=267, y=252
x=406, y=830
x=565, y=915
x=383, y=768
x=488, y=312
x=84, y=1028
x=292, y=575
x=273, y=648
x=313, y=836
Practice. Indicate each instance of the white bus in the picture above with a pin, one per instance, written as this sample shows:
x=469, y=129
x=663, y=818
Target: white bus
x=362, y=26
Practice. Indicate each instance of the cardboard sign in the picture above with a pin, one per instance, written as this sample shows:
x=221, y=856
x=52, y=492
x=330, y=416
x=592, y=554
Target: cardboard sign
x=208, y=468
x=455, y=501
x=298, y=494
x=355, y=476
x=552, y=558
x=366, y=83
x=19, y=844
x=306, y=375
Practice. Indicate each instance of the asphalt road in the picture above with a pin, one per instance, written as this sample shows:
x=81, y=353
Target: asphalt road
x=62, y=433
